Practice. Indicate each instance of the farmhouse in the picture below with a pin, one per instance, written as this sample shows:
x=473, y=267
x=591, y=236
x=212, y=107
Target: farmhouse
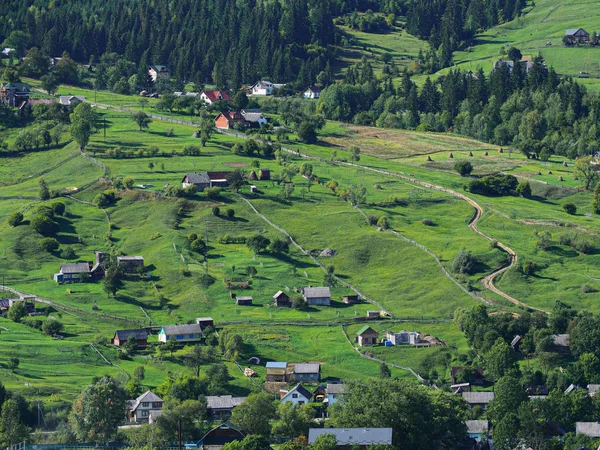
x=243, y=301
x=298, y=395
x=219, y=436
x=205, y=322
x=254, y=117
x=560, y=343
x=264, y=174
x=122, y=336
x=14, y=94
x=334, y=392
x=228, y=119
x=72, y=273
x=312, y=92
x=220, y=406
x=317, y=295
x=71, y=100
x=577, y=36
x=404, y=337
x=477, y=429
x=307, y=372
x=211, y=97
x=180, y=333
x=138, y=410
x=205, y=180
x=478, y=399
x=130, y=264
x=276, y=371
x=262, y=88
x=282, y=299
x=367, y=336
x=156, y=72
x=354, y=436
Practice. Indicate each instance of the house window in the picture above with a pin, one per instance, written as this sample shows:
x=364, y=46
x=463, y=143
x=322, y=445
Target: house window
x=145, y=413
x=191, y=336
x=180, y=337
x=145, y=404
x=301, y=403
x=294, y=395
x=157, y=405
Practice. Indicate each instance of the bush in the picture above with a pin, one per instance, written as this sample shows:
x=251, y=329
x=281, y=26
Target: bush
x=173, y=191
x=17, y=311
x=493, y=185
x=213, y=193
x=44, y=225
x=428, y=222
x=190, y=191
x=15, y=219
x=383, y=223
x=464, y=168
x=67, y=253
x=371, y=219
x=58, y=208
x=230, y=213
x=570, y=208
x=128, y=182
x=198, y=246
x=524, y=189
x=49, y=244
x=528, y=268
x=464, y=263
x=206, y=280
x=298, y=303
x=216, y=211
x=106, y=198
x=192, y=237
x=52, y=327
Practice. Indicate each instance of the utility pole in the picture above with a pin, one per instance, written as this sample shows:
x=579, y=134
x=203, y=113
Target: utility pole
x=179, y=432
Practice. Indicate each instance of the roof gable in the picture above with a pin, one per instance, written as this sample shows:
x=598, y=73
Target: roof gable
x=364, y=329
x=192, y=328
x=300, y=390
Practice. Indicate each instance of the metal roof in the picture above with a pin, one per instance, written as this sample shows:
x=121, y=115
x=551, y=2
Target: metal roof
x=478, y=398
x=307, y=368
x=316, y=292
x=197, y=178
x=130, y=258
x=591, y=429
x=477, y=426
x=300, y=390
x=336, y=388
x=364, y=329
x=147, y=396
x=192, y=328
x=354, y=436
x=123, y=335
x=223, y=401
x=276, y=365
x=75, y=268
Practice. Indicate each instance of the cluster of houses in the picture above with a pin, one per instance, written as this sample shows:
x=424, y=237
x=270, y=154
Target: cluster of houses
x=368, y=337
x=183, y=334
x=83, y=271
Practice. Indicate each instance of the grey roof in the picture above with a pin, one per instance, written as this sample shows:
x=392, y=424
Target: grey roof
x=316, y=292
x=477, y=426
x=307, y=368
x=336, y=388
x=300, y=390
x=204, y=319
x=561, y=340
x=279, y=294
x=276, y=365
x=252, y=115
x=591, y=429
x=515, y=340
x=192, y=328
x=572, y=31
x=197, y=178
x=123, y=335
x=478, y=398
x=223, y=401
x=130, y=258
x=593, y=388
x=68, y=99
x=244, y=298
x=75, y=268
x=159, y=68
x=147, y=396
x=354, y=436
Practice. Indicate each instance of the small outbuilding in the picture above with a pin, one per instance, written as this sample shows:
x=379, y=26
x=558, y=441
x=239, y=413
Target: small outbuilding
x=281, y=299
x=367, y=336
x=122, y=336
x=351, y=299
x=243, y=301
x=264, y=174
x=205, y=322
x=317, y=296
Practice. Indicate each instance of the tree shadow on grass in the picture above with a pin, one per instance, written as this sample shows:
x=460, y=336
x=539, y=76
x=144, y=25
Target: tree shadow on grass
x=299, y=264
x=132, y=301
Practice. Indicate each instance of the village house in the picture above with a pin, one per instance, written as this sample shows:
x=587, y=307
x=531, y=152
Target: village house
x=205, y=180
x=14, y=94
x=254, y=117
x=264, y=174
x=373, y=314
x=229, y=119
x=589, y=429
x=474, y=399
x=334, y=392
x=7, y=303
x=353, y=436
x=220, y=406
x=156, y=72
x=243, y=301
x=457, y=374
x=307, y=372
x=560, y=343
x=130, y=264
x=312, y=92
x=122, y=336
x=73, y=273
x=281, y=299
x=404, y=337
x=298, y=395
x=205, y=322
x=276, y=371
x=320, y=296
x=219, y=436
x=367, y=336
x=138, y=410
x=459, y=388
x=180, y=333
x=577, y=36
x=71, y=100
x=211, y=97
x=351, y=299
x=477, y=429
x=262, y=88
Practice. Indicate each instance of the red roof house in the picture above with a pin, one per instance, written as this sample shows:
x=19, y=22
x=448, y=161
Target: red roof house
x=226, y=120
x=214, y=96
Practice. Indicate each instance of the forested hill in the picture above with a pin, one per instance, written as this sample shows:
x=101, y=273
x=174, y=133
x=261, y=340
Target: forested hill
x=231, y=42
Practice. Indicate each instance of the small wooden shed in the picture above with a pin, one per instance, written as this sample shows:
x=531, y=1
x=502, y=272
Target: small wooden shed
x=243, y=301
x=350, y=299
x=367, y=336
x=281, y=299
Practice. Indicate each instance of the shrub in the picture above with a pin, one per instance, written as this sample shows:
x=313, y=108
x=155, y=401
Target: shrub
x=371, y=219
x=58, y=208
x=524, y=189
x=17, y=311
x=52, y=326
x=298, y=303
x=383, y=223
x=206, y=280
x=128, y=182
x=67, y=253
x=529, y=268
x=49, y=244
x=570, y=208
x=44, y=225
x=464, y=263
x=192, y=237
x=213, y=193
x=216, y=210
x=493, y=185
x=586, y=289
x=105, y=198
x=230, y=213
x=190, y=191
x=15, y=219
x=173, y=191
x=464, y=168
x=428, y=222
x=13, y=363
x=198, y=246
